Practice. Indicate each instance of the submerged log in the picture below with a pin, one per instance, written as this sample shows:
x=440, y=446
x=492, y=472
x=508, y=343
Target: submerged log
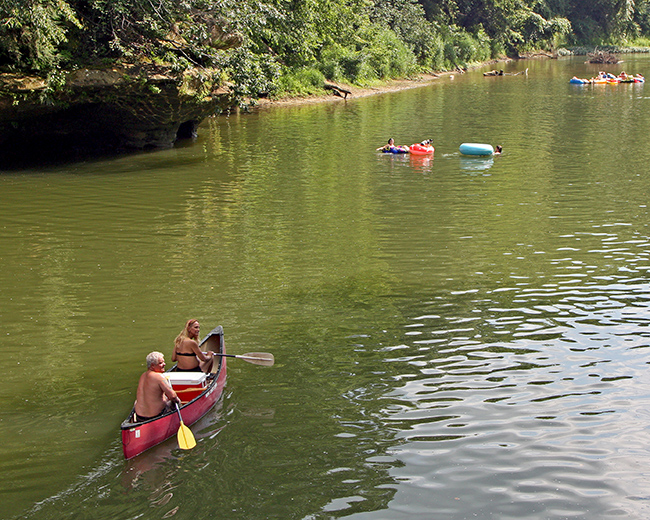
x=501, y=73
x=604, y=57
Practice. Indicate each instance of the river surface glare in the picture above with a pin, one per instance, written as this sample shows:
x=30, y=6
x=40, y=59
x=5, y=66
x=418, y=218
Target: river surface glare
x=455, y=338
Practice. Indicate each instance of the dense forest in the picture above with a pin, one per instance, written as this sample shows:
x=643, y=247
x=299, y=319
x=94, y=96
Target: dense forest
x=280, y=47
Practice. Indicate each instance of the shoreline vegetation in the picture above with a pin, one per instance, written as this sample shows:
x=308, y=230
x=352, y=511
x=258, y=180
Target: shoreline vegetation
x=354, y=92
x=421, y=80
x=274, y=49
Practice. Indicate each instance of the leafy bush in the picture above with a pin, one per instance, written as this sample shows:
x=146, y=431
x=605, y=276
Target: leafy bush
x=331, y=63
x=451, y=58
x=432, y=56
x=388, y=56
x=377, y=54
x=301, y=82
x=31, y=32
x=251, y=75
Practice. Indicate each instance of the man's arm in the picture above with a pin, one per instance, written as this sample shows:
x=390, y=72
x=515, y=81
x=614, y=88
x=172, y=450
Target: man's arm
x=167, y=389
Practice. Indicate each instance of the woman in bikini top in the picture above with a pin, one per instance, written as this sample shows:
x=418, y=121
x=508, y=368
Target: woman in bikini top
x=186, y=354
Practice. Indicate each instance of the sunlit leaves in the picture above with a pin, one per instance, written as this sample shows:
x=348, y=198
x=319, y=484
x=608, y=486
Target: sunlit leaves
x=254, y=42
x=32, y=30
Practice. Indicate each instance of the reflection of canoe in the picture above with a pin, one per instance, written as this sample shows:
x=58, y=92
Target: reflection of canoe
x=476, y=149
x=149, y=464
x=197, y=398
x=420, y=149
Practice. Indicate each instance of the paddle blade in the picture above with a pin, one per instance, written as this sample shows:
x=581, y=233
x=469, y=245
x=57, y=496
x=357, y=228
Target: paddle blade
x=185, y=438
x=258, y=358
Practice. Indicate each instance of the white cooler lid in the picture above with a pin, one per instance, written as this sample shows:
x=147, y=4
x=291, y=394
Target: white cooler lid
x=186, y=378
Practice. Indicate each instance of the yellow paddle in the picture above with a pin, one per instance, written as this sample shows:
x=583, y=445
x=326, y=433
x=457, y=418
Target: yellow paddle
x=185, y=437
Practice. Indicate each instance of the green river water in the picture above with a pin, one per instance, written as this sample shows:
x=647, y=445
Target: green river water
x=454, y=337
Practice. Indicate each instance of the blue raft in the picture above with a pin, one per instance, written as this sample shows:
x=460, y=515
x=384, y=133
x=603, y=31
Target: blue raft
x=476, y=149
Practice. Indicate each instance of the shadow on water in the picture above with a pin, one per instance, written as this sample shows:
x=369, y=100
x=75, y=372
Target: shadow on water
x=54, y=154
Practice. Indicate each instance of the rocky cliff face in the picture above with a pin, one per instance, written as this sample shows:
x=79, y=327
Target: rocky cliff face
x=103, y=111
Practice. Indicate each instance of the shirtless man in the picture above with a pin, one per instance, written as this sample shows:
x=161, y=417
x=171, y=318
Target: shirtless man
x=154, y=395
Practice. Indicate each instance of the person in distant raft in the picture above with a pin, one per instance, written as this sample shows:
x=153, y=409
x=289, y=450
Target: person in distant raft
x=154, y=396
x=186, y=353
x=392, y=148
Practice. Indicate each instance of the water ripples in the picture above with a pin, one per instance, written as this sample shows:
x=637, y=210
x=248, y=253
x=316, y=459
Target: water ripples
x=454, y=338
x=545, y=419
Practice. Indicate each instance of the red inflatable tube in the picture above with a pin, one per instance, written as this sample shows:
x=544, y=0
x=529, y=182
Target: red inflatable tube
x=420, y=149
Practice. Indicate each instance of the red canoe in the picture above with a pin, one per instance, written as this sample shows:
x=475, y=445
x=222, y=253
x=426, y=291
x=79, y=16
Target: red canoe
x=198, y=392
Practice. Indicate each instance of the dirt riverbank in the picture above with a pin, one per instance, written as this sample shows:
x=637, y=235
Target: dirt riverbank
x=356, y=92
x=329, y=96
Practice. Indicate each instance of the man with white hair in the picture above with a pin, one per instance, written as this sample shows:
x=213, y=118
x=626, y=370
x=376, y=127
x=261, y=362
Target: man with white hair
x=155, y=396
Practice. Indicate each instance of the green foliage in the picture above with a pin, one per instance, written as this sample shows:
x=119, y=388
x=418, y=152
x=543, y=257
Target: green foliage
x=251, y=75
x=641, y=44
x=346, y=64
x=301, y=82
x=31, y=32
x=461, y=47
x=432, y=57
x=450, y=55
x=407, y=19
x=376, y=53
x=642, y=19
x=385, y=54
x=273, y=47
x=470, y=48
